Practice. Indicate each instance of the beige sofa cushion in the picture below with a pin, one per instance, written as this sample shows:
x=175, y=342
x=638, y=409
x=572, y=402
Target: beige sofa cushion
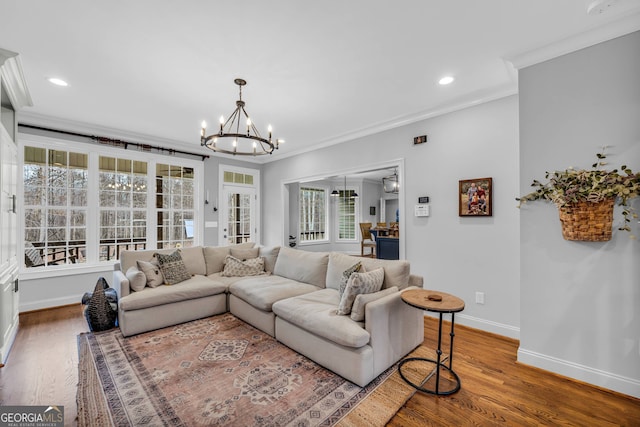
x=244, y=253
x=338, y=264
x=303, y=266
x=214, y=256
x=270, y=255
x=316, y=312
x=361, y=301
x=396, y=272
x=193, y=259
x=262, y=291
x=227, y=281
x=196, y=287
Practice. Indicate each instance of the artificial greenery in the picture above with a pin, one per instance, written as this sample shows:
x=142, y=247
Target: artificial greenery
x=589, y=185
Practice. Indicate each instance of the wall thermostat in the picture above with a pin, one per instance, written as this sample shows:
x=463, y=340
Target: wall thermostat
x=423, y=199
x=422, y=209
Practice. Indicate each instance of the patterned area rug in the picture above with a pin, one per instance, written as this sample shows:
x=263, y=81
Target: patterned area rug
x=221, y=371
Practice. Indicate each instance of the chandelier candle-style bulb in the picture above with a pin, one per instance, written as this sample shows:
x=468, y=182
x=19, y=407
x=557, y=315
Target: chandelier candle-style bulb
x=231, y=130
x=204, y=129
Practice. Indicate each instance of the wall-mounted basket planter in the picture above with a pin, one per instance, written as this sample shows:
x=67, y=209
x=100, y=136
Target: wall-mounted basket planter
x=587, y=221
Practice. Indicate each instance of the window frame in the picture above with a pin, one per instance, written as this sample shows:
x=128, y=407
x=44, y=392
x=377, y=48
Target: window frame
x=94, y=151
x=327, y=232
x=356, y=215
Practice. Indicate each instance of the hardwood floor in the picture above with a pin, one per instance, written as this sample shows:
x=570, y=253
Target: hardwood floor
x=496, y=390
x=42, y=368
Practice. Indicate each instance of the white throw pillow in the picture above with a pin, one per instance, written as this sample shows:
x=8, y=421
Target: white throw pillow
x=234, y=267
x=152, y=271
x=360, y=283
x=137, y=279
x=361, y=301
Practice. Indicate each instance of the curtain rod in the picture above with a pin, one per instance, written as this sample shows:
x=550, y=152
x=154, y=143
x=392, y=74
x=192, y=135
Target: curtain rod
x=116, y=142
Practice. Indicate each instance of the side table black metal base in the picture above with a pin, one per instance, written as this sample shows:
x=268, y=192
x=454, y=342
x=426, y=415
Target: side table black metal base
x=437, y=390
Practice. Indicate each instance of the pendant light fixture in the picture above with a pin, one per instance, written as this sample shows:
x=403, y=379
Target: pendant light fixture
x=390, y=183
x=336, y=193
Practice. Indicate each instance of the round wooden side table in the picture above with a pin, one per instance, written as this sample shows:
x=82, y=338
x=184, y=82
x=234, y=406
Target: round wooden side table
x=438, y=302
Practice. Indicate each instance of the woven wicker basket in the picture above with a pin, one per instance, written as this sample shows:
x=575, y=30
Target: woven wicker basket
x=587, y=221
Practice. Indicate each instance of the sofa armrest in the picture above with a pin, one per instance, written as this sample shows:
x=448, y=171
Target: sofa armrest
x=415, y=280
x=120, y=281
x=395, y=327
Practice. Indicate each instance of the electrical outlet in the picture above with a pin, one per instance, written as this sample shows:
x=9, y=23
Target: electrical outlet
x=479, y=297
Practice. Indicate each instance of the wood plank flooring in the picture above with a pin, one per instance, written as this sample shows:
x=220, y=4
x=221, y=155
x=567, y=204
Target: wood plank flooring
x=496, y=390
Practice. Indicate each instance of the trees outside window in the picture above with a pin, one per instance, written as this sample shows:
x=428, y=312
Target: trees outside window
x=313, y=214
x=81, y=206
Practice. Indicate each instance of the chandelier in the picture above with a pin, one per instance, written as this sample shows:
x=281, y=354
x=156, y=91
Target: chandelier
x=390, y=183
x=231, y=140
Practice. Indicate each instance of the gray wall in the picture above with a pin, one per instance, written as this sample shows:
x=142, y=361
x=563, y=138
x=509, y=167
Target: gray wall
x=580, y=305
x=454, y=254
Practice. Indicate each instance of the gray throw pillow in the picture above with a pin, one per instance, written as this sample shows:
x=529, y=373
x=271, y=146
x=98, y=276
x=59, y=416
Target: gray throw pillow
x=172, y=267
x=355, y=268
x=360, y=283
x=137, y=279
x=361, y=301
x=152, y=271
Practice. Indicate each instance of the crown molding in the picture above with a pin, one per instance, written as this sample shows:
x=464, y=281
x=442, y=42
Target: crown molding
x=609, y=31
x=467, y=101
x=11, y=72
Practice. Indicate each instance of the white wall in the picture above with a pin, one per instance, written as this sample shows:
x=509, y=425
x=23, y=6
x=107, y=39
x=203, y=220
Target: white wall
x=454, y=254
x=580, y=307
x=211, y=217
x=54, y=291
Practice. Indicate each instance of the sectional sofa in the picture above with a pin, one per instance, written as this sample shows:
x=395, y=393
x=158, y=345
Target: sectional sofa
x=295, y=299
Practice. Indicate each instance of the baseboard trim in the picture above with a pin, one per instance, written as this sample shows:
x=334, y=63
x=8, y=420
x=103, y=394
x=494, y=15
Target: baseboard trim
x=50, y=303
x=597, y=377
x=488, y=325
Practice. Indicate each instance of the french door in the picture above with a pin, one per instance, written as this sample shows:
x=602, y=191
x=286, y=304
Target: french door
x=238, y=215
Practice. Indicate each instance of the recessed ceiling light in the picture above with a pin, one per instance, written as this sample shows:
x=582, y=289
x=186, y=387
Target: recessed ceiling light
x=58, y=82
x=446, y=80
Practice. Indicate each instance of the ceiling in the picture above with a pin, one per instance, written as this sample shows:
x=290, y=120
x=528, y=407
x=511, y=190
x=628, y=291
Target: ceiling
x=320, y=72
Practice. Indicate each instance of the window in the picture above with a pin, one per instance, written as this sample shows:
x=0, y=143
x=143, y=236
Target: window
x=86, y=205
x=55, y=206
x=123, y=206
x=313, y=214
x=174, y=205
x=346, y=205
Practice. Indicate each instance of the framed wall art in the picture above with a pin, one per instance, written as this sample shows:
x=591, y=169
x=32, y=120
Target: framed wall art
x=475, y=197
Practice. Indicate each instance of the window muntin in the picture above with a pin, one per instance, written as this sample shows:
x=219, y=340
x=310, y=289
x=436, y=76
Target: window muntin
x=313, y=214
x=55, y=206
